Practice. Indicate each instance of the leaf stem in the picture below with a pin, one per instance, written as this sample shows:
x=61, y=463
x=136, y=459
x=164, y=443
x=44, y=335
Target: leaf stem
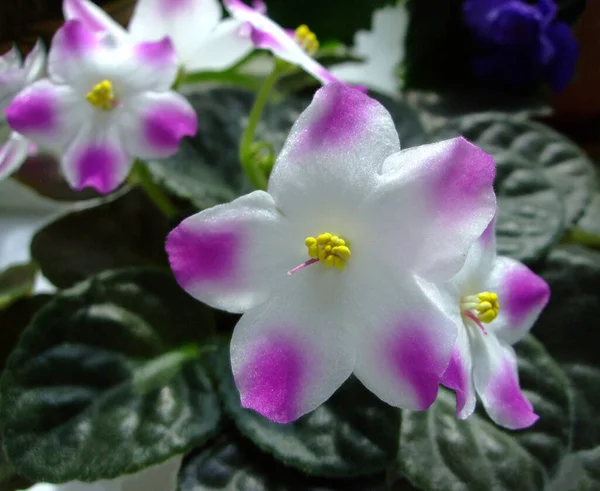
x=254, y=172
x=140, y=176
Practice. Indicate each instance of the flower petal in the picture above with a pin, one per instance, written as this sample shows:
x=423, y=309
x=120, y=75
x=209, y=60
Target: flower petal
x=291, y=353
x=522, y=295
x=338, y=143
x=432, y=195
x=93, y=17
x=154, y=124
x=47, y=113
x=96, y=159
x=225, y=46
x=497, y=382
x=231, y=256
x=269, y=35
x=404, y=341
x=458, y=376
x=35, y=63
x=187, y=22
x=13, y=153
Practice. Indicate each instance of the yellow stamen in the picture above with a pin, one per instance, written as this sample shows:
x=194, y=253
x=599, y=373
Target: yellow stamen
x=331, y=250
x=307, y=40
x=102, y=96
x=484, y=306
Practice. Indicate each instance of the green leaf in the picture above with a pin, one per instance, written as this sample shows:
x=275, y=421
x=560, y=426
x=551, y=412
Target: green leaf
x=104, y=381
x=206, y=171
x=353, y=433
x=568, y=326
x=587, y=229
x=585, y=382
x=16, y=282
x=580, y=471
x=125, y=230
x=234, y=464
x=565, y=165
x=439, y=451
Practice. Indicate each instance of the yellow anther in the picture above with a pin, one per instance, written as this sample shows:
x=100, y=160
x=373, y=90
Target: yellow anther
x=306, y=39
x=102, y=96
x=330, y=249
x=484, y=306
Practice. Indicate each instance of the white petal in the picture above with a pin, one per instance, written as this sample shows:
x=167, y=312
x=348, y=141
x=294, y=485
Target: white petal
x=35, y=63
x=225, y=46
x=431, y=205
x=187, y=22
x=291, y=353
x=333, y=155
x=13, y=153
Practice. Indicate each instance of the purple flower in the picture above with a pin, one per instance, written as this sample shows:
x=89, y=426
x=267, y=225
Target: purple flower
x=519, y=43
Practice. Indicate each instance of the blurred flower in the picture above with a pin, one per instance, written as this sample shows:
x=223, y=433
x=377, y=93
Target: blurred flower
x=382, y=51
x=202, y=39
x=521, y=43
x=104, y=103
x=14, y=76
x=296, y=47
x=331, y=267
x=494, y=301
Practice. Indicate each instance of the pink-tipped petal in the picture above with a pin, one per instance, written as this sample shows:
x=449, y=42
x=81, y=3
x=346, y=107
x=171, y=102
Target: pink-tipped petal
x=96, y=159
x=154, y=66
x=338, y=143
x=13, y=153
x=404, y=341
x=458, y=376
x=188, y=23
x=522, y=295
x=267, y=34
x=154, y=124
x=46, y=113
x=231, y=256
x=497, y=382
x=73, y=49
x=93, y=17
x=290, y=354
x=443, y=193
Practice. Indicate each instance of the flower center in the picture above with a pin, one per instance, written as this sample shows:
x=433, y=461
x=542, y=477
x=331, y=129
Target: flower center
x=482, y=307
x=306, y=39
x=329, y=249
x=102, y=96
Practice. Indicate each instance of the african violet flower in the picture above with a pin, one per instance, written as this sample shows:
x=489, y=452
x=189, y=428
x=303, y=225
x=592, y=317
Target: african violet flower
x=331, y=266
x=520, y=43
x=296, y=47
x=202, y=39
x=104, y=103
x=494, y=301
x=14, y=76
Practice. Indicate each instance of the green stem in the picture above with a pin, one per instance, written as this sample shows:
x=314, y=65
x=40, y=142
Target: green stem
x=140, y=176
x=255, y=174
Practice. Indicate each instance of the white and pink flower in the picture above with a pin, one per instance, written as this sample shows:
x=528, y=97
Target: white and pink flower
x=332, y=267
x=104, y=104
x=202, y=39
x=295, y=47
x=494, y=301
x=16, y=74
